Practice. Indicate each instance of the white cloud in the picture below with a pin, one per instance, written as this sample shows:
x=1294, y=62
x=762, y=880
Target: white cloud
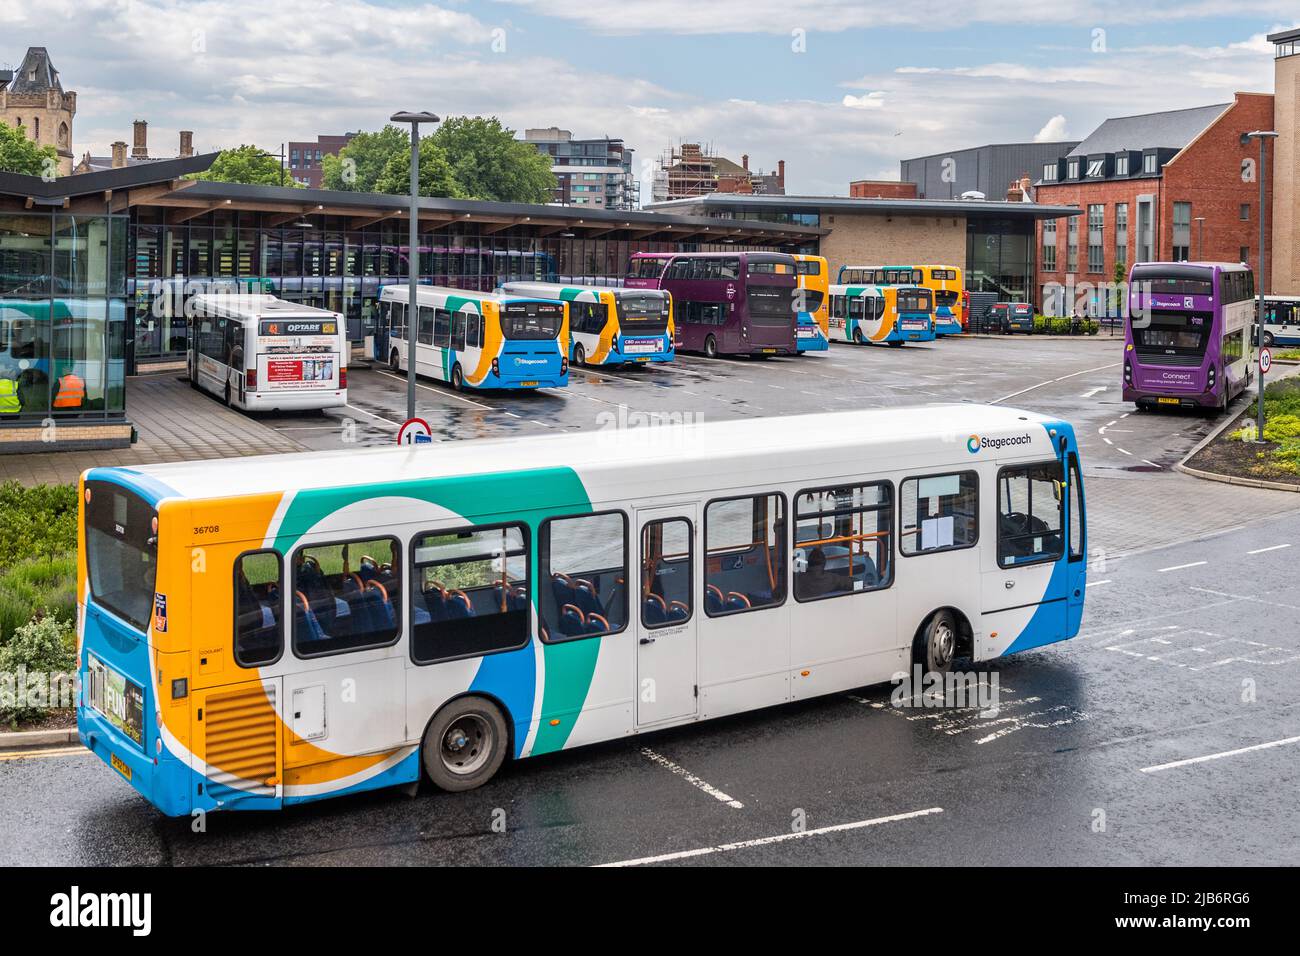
x=867, y=101
x=1053, y=130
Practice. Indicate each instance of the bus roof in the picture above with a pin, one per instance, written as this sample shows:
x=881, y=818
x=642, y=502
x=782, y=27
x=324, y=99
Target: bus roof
x=688, y=458
x=556, y=290
x=401, y=293
x=253, y=306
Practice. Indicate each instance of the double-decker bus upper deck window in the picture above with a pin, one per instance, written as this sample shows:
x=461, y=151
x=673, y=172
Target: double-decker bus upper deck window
x=532, y=320
x=767, y=267
x=808, y=267
x=121, y=551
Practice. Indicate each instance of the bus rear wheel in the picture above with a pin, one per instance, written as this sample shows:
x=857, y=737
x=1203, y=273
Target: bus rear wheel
x=579, y=354
x=227, y=395
x=857, y=337
x=465, y=744
x=711, y=347
x=1268, y=340
x=935, y=646
x=457, y=378
x=395, y=361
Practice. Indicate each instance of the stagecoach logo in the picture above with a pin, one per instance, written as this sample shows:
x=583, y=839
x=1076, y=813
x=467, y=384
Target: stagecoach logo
x=524, y=361
x=731, y=291
x=1187, y=302
x=975, y=443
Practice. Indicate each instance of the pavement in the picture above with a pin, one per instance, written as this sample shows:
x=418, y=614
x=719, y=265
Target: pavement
x=1168, y=732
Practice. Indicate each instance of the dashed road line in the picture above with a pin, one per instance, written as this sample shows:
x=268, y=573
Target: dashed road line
x=437, y=391
x=1276, y=547
x=1181, y=567
x=1219, y=756
x=693, y=780
x=778, y=838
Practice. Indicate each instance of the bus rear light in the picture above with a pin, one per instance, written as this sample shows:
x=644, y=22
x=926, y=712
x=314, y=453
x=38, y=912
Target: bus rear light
x=496, y=368
x=564, y=366
x=1128, y=372
x=250, y=379
x=343, y=378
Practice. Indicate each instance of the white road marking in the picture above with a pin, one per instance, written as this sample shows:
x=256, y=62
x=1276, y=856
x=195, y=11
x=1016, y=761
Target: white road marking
x=513, y=415
x=778, y=838
x=1097, y=584
x=373, y=415
x=1219, y=756
x=1148, y=461
x=1085, y=371
x=1180, y=567
x=1123, y=452
x=1276, y=547
x=438, y=391
x=1109, y=442
x=1093, y=391
x=693, y=780
x=543, y=424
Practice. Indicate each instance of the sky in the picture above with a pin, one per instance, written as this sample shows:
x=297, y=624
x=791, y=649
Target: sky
x=840, y=90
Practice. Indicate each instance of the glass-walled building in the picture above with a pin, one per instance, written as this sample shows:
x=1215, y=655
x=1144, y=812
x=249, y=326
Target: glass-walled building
x=96, y=270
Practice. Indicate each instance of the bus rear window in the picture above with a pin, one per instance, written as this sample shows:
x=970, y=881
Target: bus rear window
x=635, y=308
x=121, y=551
x=913, y=300
x=770, y=305
x=532, y=320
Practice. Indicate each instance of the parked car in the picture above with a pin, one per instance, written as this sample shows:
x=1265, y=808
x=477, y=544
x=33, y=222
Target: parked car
x=1012, y=317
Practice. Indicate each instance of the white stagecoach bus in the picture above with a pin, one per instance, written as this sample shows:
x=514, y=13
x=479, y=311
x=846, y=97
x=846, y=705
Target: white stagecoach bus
x=261, y=353
x=511, y=597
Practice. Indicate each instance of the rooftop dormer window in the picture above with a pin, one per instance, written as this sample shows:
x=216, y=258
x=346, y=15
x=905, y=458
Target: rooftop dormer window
x=1121, y=164
x=1096, y=168
x=1072, y=169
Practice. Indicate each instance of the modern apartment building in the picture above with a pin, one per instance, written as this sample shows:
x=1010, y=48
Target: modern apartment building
x=588, y=172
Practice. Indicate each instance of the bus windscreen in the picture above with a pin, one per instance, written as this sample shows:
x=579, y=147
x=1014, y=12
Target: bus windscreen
x=532, y=320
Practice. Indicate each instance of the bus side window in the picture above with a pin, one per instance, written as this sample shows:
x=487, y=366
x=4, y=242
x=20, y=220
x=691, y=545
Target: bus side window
x=667, y=576
x=424, y=331
x=843, y=540
x=441, y=327
x=458, y=331
x=744, y=554
x=259, y=628
x=1078, y=534
x=469, y=593
x=473, y=330
x=346, y=596
x=583, y=591
x=1030, y=514
x=938, y=513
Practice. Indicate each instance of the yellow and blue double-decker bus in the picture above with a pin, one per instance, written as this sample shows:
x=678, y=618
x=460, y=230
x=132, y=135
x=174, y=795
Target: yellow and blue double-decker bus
x=609, y=325
x=812, y=329
x=944, y=282
x=475, y=339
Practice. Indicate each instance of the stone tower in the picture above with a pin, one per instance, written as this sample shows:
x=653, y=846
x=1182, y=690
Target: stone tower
x=32, y=97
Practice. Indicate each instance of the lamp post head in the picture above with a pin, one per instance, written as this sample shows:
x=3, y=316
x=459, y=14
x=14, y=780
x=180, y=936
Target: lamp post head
x=417, y=118
x=1263, y=134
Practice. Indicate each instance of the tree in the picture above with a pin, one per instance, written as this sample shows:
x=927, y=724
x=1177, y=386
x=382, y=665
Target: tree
x=489, y=163
x=363, y=160
x=247, y=164
x=18, y=154
x=436, y=178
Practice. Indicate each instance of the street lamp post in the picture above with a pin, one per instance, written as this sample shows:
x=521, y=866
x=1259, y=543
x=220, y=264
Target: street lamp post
x=413, y=255
x=1263, y=136
x=1200, y=238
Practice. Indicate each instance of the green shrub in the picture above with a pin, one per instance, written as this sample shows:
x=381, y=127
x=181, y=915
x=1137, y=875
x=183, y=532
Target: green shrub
x=35, y=583
x=37, y=662
x=1061, y=326
x=36, y=520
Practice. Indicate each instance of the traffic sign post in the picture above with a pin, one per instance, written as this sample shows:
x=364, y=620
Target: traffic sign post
x=1265, y=363
x=415, y=431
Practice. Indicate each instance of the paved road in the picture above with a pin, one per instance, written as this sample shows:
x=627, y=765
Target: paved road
x=1167, y=732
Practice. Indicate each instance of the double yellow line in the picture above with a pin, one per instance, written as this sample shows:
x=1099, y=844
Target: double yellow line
x=40, y=754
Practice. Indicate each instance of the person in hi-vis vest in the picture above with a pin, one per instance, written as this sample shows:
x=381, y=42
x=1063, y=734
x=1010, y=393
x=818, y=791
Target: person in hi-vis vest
x=10, y=401
x=71, y=392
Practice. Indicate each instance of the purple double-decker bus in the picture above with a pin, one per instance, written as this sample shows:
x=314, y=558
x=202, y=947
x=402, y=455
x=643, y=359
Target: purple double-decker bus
x=1187, y=337
x=727, y=303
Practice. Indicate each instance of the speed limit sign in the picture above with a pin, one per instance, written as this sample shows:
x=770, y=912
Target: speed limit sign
x=1265, y=360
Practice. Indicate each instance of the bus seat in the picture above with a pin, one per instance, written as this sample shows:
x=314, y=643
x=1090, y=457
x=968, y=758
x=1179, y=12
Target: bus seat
x=518, y=600
x=597, y=624
x=435, y=600
x=714, y=602
x=678, y=611
x=737, y=602
x=572, y=621
x=305, y=622
x=585, y=596
x=381, y=615
x=654, y=610
x=459, y=605
x=420, y=610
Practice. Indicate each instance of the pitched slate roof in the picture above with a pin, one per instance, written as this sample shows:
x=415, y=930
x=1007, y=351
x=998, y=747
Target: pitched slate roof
x=37, y=61
x=1172, y=129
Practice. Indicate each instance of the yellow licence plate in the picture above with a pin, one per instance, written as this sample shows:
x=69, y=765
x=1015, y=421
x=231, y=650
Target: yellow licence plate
x=526, y=384
x=769, y=351
x=119, y=765
x=1168, y=401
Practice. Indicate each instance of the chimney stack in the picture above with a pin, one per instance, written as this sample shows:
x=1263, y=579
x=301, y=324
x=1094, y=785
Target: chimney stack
x=187, y=143
x=141, y=148
x=119, y=154
x=744, y=161
x=780, y=173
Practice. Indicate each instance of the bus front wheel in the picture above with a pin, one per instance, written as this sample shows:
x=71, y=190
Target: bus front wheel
x=395, y=361
x=1268, y=340
x=465, y=744
x=711, y=347
x=935, y=646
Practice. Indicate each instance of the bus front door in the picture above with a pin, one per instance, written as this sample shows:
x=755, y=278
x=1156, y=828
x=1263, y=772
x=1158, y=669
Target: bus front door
x=664, y=613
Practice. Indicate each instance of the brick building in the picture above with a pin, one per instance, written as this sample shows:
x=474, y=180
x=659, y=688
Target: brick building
x=33, y=97
x=881, y=189
x=1172, y=186
x=1284, y=250
x=304, y=158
